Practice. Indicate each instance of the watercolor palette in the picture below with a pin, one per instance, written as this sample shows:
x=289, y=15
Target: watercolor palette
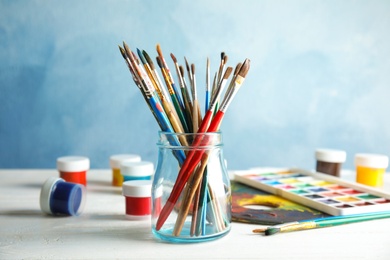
x=319, y=191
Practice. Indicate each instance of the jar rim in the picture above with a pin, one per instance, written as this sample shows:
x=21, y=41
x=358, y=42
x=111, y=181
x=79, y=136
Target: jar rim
x=214, y=139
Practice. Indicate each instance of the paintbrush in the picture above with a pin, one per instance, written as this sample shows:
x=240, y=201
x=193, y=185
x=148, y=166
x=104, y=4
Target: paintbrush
x=207, y=96
x=156, y=76
x=196, y=114
x=188, y=105
x=169, y=75
x=325, y=222
x=172, y=93
x=184, y=93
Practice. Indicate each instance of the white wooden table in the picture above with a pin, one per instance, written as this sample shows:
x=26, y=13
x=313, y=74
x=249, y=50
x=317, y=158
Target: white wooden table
x=102, y=232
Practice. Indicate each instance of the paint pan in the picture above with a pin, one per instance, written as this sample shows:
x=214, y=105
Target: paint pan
x=319, y=191
x=62, y=198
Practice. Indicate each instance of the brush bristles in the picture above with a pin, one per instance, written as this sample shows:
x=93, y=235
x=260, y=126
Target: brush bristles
x=225, y=59
x=237, y=69
x=244, y=68
x=159, y=51
x=187, y=65
x=173, y=58
x=271, y=231
x=148, y=59
x=127, y=50
x=259, y=230
x=193, y=68
x=122, y=52
x=181, y=70
x=141, y=56
x=159, y=62
x=227, y=73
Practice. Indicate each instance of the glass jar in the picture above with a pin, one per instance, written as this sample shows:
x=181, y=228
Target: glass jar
x=191, y=191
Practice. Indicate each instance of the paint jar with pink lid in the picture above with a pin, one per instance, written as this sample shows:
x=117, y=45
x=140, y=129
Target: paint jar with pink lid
x=330, y=161
x=73, y=168
x=142, y=170
x=370, y=168
x=115, y=163
x=138, y=199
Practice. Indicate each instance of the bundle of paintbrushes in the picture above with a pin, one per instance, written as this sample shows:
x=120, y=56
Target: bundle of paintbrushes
x=180, y=113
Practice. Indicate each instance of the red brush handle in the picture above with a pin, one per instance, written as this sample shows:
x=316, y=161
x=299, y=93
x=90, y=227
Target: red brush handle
x=192, y=160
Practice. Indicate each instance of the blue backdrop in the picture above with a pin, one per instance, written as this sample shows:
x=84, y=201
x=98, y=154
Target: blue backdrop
x=319, y=77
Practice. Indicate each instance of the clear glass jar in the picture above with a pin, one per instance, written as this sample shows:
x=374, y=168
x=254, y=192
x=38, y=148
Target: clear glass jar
x=191, y=191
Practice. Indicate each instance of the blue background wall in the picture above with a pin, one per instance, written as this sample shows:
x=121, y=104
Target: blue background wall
x=319, y=77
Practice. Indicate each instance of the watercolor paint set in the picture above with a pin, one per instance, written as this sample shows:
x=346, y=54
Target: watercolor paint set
x=319, y=191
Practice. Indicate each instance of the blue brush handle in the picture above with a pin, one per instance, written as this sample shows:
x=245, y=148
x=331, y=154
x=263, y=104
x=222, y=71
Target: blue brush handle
x=166, y=127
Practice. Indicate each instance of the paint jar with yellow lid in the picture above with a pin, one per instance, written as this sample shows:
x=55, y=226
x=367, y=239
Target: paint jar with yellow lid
x=370, y=168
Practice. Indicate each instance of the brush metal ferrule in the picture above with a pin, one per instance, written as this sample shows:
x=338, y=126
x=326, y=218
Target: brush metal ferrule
x=300, y=226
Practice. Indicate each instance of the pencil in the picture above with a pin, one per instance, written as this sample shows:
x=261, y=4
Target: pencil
x=326, y=222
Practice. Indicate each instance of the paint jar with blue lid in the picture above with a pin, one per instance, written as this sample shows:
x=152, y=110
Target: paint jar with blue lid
x=62, y=198
x=142, y=170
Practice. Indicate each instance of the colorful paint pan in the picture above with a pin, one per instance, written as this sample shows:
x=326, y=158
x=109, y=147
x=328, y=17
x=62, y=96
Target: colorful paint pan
x=316, y=189
x=347, y=199
x=323, y=192
x=351, y=192
x=331, y=194
x=302, y=185
x=299, y=191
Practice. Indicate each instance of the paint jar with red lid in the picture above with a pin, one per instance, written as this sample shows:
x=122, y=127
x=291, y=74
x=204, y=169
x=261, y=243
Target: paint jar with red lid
x=73, y=168
x=62, y=198
x=142, y=170
x=330, y=161
x=138, y=199
x=115, y=163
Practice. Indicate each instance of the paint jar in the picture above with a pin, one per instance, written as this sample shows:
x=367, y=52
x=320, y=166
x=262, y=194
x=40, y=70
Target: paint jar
x=138, y=199
x=370, y=168
x=142, y=170
x=62, y=198
x=195, y=205
x=73, y=168
x=115, y=163
x=330, y=161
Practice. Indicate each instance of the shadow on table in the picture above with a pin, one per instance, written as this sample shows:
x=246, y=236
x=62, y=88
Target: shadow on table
x=23, y=213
